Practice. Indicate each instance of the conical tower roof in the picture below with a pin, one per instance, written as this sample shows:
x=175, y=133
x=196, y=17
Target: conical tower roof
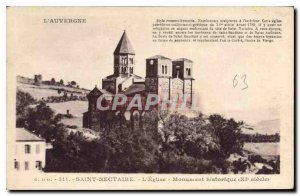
x=95, y=92
x=124, y=46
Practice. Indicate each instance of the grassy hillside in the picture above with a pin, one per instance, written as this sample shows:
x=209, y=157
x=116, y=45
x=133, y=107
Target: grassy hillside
x=37, y=92
x=76, y=108
x=44, y=91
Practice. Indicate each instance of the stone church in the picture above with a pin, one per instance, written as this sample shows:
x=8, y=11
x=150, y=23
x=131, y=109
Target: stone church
x=164, y=76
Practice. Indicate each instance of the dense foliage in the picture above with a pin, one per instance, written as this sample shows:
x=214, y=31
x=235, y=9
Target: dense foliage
x=23, y=101
x=155, y=142
x=181, y=145
x=259, y=138
x=39, y=119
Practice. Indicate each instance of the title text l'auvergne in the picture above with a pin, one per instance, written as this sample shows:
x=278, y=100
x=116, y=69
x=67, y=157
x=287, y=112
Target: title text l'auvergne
x=64, y=20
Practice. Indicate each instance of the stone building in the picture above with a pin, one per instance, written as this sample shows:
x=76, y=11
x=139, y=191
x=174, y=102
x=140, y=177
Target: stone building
x=38, y=79
x=164, y=77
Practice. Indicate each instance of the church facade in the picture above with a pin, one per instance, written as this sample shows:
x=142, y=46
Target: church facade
x=164, y=77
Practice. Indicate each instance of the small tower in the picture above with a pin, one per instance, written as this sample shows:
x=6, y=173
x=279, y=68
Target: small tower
x=158, y=66
x=158, y=75
x=183, y=69
x=124, y=57
x=93, y=97
x=92, y=118
x=38, y=79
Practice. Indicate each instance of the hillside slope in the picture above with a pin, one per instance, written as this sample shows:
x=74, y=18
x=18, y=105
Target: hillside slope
x=76, y=108
x=44, y=91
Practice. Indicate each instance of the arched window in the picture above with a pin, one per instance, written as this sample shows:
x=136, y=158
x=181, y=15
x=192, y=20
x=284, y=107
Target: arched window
x=163, y=69
x=166, y=69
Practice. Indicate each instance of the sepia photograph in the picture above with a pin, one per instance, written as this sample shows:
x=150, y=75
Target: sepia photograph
x=129, y=97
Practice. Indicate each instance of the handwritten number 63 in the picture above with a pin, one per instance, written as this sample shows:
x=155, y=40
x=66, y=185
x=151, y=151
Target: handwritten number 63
x=236, y=81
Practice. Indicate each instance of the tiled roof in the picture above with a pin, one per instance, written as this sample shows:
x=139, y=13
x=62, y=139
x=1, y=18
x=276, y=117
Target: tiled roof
x=134, y=78
x=124, y=46
x=103, y=91
x=184, y=59
x=98, y=92
x=159, y=57
x=137, y=77
x=24, y=135
x=135, y=88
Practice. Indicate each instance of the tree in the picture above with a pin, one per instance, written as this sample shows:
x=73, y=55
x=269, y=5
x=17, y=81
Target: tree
x=24, y=100
x=52, y=81
x=128, y=149
x=153, y=142
x=72, y=152
x=228, y=132
x=42, y=121
x=186, y=140
x=61, y=82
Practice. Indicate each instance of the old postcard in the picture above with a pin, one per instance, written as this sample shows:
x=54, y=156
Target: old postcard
x=150, y=98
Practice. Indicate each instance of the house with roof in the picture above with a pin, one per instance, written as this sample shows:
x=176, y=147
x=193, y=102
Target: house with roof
x=30, y=151
x=164, y=77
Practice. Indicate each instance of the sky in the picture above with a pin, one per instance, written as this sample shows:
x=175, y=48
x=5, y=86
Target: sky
x=84, y=53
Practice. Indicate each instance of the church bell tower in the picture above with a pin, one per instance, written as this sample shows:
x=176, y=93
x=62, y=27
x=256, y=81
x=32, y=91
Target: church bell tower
x=124, y=57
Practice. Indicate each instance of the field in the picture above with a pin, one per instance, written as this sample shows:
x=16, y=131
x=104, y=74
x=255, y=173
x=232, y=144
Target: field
x=76, y=108
x=44, y=91
x=37, y=92
x=263, y=149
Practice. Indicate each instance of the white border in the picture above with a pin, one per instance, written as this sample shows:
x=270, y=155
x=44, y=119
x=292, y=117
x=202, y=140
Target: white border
x=5, y=3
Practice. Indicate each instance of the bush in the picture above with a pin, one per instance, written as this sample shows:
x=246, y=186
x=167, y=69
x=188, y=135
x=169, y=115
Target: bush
x=72, y=126
x=256, y=159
